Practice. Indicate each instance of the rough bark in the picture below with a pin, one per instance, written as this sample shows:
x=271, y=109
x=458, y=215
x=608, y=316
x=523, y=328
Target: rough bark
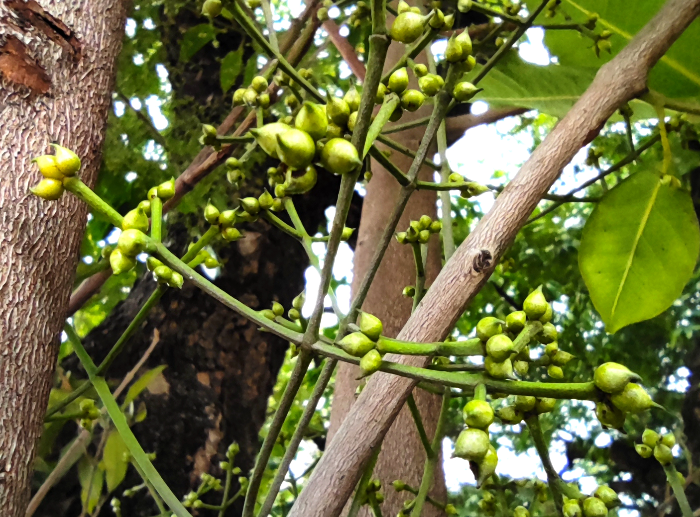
x=370, y=418
x=39, y=240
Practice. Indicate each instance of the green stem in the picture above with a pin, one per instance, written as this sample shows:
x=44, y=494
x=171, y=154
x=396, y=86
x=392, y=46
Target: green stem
x=151, y=489
x=483, y=9
x=120, y=423
x=470, y=347
x=272, y=33
x=273, y=432
x=404, y=150
x=391, y=102
x=95, y=202
x=359, y=498
x=420, y=274
x=533, y=424
x=431, y=462
x=677, y=487
x=227, y=489
x=374, y=504
x=156, y=219
x=280, y=224
x=226, y=139
x=531, y=329
x=385, y=162
x=415, y=413
x=411, y=53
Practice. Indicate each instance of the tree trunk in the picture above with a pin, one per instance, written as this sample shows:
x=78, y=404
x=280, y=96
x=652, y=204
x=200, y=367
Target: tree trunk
x=39, y=240
x=402, y=456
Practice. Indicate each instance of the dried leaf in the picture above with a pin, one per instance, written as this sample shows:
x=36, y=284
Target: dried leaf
x=20, y=68
x=32, y=14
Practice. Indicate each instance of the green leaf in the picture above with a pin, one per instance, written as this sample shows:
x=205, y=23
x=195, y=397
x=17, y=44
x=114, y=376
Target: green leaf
x=231, y=68
x=638, y=249
x=251, y=68
x=114, y=460
x=91, y=481
x=194, y=39
x=142, y=383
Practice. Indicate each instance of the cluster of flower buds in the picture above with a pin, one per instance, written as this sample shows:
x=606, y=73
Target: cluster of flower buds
x=488, y=504
x=294, y=313
x=473, y=443
x=467, y=189
x=363, y=344
x=602, y=43
x=163, y=274
x=55, y=168
x=90, y=413
x=410, y=24
x=599, y=504
x=419, y=231
x=657, y=445
x=254, y=96
x=619, y=395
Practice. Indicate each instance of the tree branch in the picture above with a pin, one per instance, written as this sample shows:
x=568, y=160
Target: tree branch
x=620, y=80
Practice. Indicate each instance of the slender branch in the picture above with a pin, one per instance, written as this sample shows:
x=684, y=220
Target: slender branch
x=677, y=487
x=157, y=136
x=270, y=22
x=156, y=219
x=358, y=499
x=415, y=413
x=533, y=424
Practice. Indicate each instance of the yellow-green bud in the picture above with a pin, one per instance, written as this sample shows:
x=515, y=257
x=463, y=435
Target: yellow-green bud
x=299, y=301
x=430, y=84
x=339, y=156
x=370, y=362
x=643, y=450
x=48, y=167
x=551, y=349
x=535, y=305
x=294, y=314
x=465, y=91
x=266, y=136
x=346, y=234
x=451, y=510
x=230, y=234
x=478, y=414
x=668, y=440
x=176, y=280
x=469, y=64
x=561, y=358
x=424, y=222
x=211, y=263
x=239, y=97
x=152, y=263
x=464, y=5
x=135, y=219
x=609, y=416
x=515, y=321
x=509, y=415
x=448, y=22
x=166, y=190
x=613, y=377
x=66, y=160
x=295, y=148
x=499, y=347
x=472, y=444
x=594, y=507
x=228, y=218
x=299, y=184
x=498, y=370
x=571, y=509
x=265, y=200
x=250, y=205
x=398, y=81
x=145, y=205
x=312, y=119
x=663, y=454
x=548, y=334
x=435, y=227
x=352, y=121
x=277, y=309
x=521, y=367
x=212, y=8
x=420, y=70
x=521, y=511
x=547, y=315
x=632, y=399
x=48, y=188
x=120, y=262
x=356, y=344
x=352, y=98
x=488, y=327
x=555, y=372
x=132, y=242
x=453, y=51
x=545, y=405
x=409, y=291
x=651, y=438
x=407, y=27
x=423, y=236
x=465, y=42
x=608, y=496
x=370, y=325
x=486, y=467
x=259, y=84
x=211, y=214
x=338, y=111
x=411, y=100
x=525, y=403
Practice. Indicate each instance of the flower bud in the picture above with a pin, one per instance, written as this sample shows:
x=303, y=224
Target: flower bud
x=370, y=362
x=663, y=454
x=465, y=42
x=339, y=156
x=338, y=111
x=420, y=70
x=399, y=485
x=132, y=242
x=485, y=468
x=407, y=27
x=594, y=507
x=499, y=347
x=453, y=51
x=535, y=305
x=228, y=218
x=668, y=440
x=429, y=84
x=239, y=97
x=643, y=450
x=166, y=190
x=545, y=405
x=608, y=496
x=409, y=291
x=498, y=370
x=423, y=236
x=230, y=234
x=48, y=188
x=48, y=167
x=468, y=64
x=571, y=509
x=548, y=334
x=525, y=403
x=352, y=121
x=120, y=262
x=561, y=358
x=295, y=148
x=464, y=91
x=266, y=136
x=135, y=219
x=294, y=314
x=352, y=98
x=509, y=415
x=250, y=205
x=211, y=263
x=555, y=372
x=411, y=100
x=521, y=511
x=370, y=326
x=145, y=205
x=300, y=184
x=347, y=233
x=259, y=84
x=515, y=321
x=277, y=309
x=632, y=399
x=212, y=8
x=478, y=414
x=176, y=280
x=488, y=327
x=265, y=200
x=312, y=119
x=162, y=274
x=211, y=214
x=464, y=5
x=398, y=81
x=268, y=314
x=264, y=100
x=551, y=349
x=547, y=315
x=356, y=344
x=521, y=367
x=650, y=438
x=66, y=160
x=613, y=377
x=472, y=444
x=152, y=263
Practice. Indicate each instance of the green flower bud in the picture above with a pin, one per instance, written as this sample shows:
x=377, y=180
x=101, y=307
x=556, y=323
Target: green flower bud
x=608, y=496
x=152, y=263
x=381, y=93
x=259, y=84
x=352, y=98
x=322, y=14
x=49, y=189
x=277, y=309
x=465, y=91
x=356, y=344
x=162, y=274
x=424, y=222
x=409, y=291
x=280, y=191
x=398, y=81
x=239, y=97
x=594, y=507
x=472, y=444
x=266, y=136
x=548, y=334
x=547, y=315
x=334, y=131
x=515, y=321
x=464, y=5
x=545, y=405
x=478, y=414
x=429, y=84
x=437, y=20
x=613, y=377
x=488, y=327
x=228, y=218
x=498, y=370
x=521, y=367
x=132, y=242
x=339, y=156
x=265, y=200
x=555, y=372
x=663, y=454
x=609, y=416
x=370, y=362
x=294, y=314
x=300, y=184
x=435, y=227
x=651, y=438
x=212, y=8
x=211, y=214
x=423, y=236
x=135, y=219
x=485, y=468
x=269, y=314
x=521, y=511
x=166, y=190
x=499, y=347
x=525, y=403
x=643, y=450
x=420, y=70
x=632, y=399
x=312, y=119
x=551, y=349
x=230, y=234
x=120, y=262
x=211, y=263
x=399, y=485
x=176, y=280
x=509, y=415
x=668, y=440
x=338, y=111
x=535, y=305
x=411, y=100
x=448, y=22
x=571, y=509
x=250, y=205
x=264, y=100
x=407, y=27
x=48, y=167
x=468, y=64
x=451, y=510
x=352, y=121
x=250, y=97
x=453, y=52
x=370, y=326
x=347, y=233
x=295, y=148
x=66, y=160
x=561, y=358
x=465, y=42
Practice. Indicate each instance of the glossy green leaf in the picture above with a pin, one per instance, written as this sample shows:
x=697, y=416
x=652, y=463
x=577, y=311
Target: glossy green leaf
x=194, y=40
x=638, y=249
x=114, y=460
x=142, y=383
x=231, y=68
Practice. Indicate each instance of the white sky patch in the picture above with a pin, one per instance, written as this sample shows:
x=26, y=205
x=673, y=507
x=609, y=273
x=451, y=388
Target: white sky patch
x=533, y=50
x=333, y=12
x=135, y=103
x=438, y=49
x=130, y=176
x=153, y=104
x=130, y=28
x=344, y=70
x=119, y=108
x=479, y=108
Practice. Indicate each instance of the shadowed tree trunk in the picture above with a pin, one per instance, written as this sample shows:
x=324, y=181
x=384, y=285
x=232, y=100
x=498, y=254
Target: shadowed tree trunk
x=53, y=88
